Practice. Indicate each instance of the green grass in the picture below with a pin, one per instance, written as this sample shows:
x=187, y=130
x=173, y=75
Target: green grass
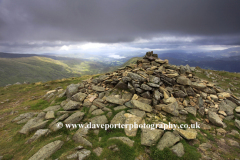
x=166, y=154
x=209, y=135
x=40, y=105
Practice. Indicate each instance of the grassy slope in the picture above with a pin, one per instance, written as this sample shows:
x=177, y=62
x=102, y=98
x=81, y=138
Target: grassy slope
x=34, y=69
x=20, y=99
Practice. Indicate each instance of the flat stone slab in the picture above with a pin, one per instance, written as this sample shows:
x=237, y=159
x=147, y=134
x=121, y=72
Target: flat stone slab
x=97, y=88
x=50, y=115
x=74, y=118
x=131, y=119
x=29, y=124
x=39, y=133
x=52, y=108
x=46, y=151
x=119, y=118
x=178, y=149
x=141, y=106
x=99, y=120
x=125, y=140
x=119, y=108
x=191, y=110
x=237, y=109
x=97, y=112
x=188, y=134
x=115, y=100
x=72, y=105
x=24, y=116
x=137, y=112
x=167, y=140
x=215, y=119
x=79, y=97
x=150, y=137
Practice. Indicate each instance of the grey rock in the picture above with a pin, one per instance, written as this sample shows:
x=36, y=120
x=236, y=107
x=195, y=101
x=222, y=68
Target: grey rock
x=126, y=79
x=37, y=126
x=29, y=124
x=209, y=91
x=215, y=119
x=115, y=100
x=178, y=149
x=52, y=108
x=101, y=95
x=46, y=151
x=92, y=108
x=71, y=90
x=199, y=86
x=74, y=118
x=137, y=112
x=191, y=110
x=180, y=94
x=184, y=81
x=237, y=123
x=226, y=108
x=109, y=114
x=127, y=96
x=119, y=108
x=139, y=90
x=24, y=116
x=98, y=104
x=190, y=91
x=39, y=133
x=97, y=88
x=50, y=115
x=141, y=106
x=167, y=140
x=171, y=108
x=146, y=87
x=231, y=103
x=150, y=137
x=95, y=81
x=83, y=154
x=121, y=85
x=157, y=95
x=145, y=100
x=146, y=95
x=72, y=105
x=99, y=120
x=97, y=112
x=102, y=78
x=136, y=77
x=79, y=97
x=119, y=118
x=98, y=151
x=153, y=85
x=131, y=88
x=125, y=140
x=154, y=79
x=81, y=140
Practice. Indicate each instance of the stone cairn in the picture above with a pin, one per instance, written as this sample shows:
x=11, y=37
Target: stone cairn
x=148, y=91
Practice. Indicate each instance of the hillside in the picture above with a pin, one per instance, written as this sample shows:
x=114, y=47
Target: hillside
x=148, y=92
x=35, y=68
x=228, y=62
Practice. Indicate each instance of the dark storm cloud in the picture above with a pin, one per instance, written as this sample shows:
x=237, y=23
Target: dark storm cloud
x=118, y=20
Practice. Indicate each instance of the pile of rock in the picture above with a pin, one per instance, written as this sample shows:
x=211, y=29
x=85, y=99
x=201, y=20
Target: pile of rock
x=151, y=90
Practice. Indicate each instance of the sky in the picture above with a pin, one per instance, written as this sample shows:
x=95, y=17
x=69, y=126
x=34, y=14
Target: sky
x=114, y=27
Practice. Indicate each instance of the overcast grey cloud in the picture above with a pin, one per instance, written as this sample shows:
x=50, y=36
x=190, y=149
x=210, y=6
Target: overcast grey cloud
x=73, y=25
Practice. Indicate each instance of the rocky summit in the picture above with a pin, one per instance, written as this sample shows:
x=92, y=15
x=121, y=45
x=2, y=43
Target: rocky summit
x=195, y=118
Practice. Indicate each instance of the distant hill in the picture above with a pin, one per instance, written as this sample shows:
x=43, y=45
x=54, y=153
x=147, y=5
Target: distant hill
x=29, y=67
x=228, y=63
